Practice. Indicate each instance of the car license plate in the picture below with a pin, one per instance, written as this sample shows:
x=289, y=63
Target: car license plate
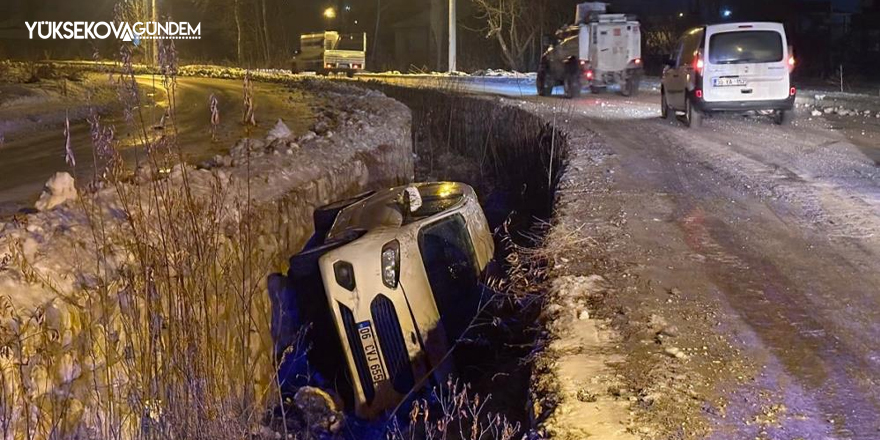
x=368, y=341
x=728, y=82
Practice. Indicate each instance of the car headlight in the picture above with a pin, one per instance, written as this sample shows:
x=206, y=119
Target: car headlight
x=391, y=264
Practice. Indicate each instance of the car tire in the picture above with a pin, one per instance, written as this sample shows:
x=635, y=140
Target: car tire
x=783, y=117
x=572, y=86
x=596, y=89
x=693, y=117
x=665, y=111
x=349, y=74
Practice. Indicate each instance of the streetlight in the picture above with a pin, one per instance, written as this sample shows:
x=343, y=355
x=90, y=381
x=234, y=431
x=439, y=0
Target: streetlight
x=330, y=13
x=726, y=13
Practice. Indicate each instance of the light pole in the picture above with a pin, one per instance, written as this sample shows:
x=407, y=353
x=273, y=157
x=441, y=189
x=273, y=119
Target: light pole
x=452, y=46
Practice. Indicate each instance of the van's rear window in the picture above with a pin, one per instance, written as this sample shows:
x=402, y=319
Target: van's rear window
x=745, y=47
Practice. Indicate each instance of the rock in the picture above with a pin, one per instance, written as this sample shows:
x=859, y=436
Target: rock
x=584, y=315
x=828, y=110
x=321, y=128
x=321, y=411
x=816, y=113
x=675, y=352
x=59, y=189
x=669, y=330
x=279, y=131
x=243, y=145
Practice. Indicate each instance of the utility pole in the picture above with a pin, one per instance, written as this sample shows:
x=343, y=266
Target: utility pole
x=452, y=46
x=155, y=18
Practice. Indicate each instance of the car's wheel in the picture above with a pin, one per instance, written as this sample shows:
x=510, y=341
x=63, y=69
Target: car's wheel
x=572, y=85
x=596, y=89
x=665, y=112
x=349, y=73
x=783, y=117
x=693, y=117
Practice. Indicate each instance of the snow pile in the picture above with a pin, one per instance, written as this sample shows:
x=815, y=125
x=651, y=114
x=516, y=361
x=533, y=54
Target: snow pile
x=66, y=314
x=500, y=73
x=59, y=189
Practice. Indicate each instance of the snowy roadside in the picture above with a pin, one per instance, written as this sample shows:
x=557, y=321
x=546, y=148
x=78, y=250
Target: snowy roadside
x=50, y=270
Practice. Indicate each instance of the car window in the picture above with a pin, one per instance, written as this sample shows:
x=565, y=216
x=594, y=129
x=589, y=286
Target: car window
x=690, y=47
x=678, y=50
x=350, y=42
x=745, y=47
x=450, y=262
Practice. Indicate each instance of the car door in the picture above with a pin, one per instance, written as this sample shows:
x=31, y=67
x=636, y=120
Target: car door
x=672, y=79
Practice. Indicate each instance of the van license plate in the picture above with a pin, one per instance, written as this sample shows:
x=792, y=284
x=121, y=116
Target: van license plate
x=728, y=82
x=368, y=341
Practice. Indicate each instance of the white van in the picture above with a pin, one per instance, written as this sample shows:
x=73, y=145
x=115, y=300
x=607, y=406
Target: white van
x=732, y=67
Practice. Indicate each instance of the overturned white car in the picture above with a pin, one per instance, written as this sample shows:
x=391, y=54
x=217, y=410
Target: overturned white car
x=387, y=284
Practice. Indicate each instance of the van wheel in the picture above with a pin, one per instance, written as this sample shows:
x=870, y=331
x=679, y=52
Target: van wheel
x=630, y=87
x=693, y=117
x=572, y=86
x=665, y=112
x=783, y=117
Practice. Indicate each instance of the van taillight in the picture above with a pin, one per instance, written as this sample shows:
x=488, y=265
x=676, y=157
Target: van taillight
x=699, y=94
x=698, y=62
x=792, y=91
x=791, y=63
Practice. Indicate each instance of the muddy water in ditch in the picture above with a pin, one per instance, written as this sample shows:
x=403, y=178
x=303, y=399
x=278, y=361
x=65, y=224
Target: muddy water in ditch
x=513, y=159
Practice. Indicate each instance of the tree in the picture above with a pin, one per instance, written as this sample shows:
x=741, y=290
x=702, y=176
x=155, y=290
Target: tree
x=517, y=26
x=506, y=23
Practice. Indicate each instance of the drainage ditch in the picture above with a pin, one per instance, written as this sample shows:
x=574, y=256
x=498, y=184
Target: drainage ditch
x=513, y=159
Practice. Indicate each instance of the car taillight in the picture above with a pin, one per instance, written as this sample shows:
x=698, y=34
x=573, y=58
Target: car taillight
x=698, y=62
x=328, y=65
x=699, y=94
x=792, y=91
x=391, y=264
x=637, y=61
x=589, y=74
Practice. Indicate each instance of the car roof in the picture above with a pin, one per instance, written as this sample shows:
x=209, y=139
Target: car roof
x=383, y=209
x=750, y=25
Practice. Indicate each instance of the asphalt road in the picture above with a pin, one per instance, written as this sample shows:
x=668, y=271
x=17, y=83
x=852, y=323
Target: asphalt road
x=29, y=157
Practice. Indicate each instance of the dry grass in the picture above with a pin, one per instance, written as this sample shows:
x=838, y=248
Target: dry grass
x=165, y=335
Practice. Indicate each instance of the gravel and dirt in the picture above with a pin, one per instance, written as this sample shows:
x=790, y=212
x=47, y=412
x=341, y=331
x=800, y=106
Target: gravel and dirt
x=738, y=295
